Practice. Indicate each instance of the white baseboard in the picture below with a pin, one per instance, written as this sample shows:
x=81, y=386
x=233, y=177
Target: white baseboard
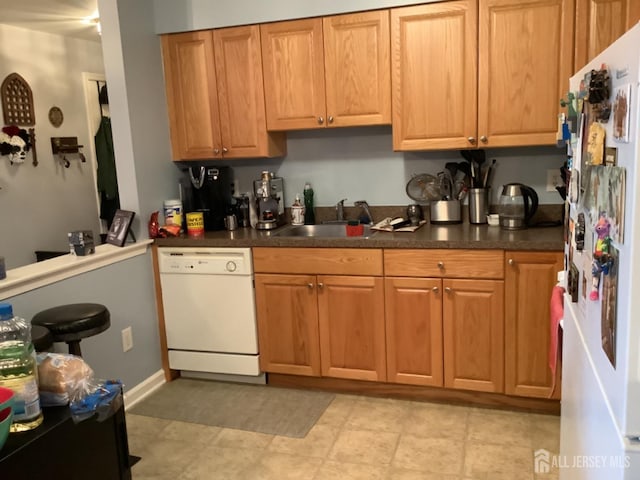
x=143, y=389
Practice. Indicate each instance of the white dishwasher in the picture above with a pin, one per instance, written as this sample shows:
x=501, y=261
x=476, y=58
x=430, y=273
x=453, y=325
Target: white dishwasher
x=209, y=310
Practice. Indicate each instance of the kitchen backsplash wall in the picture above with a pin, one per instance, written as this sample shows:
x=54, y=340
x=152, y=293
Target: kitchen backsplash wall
x=360, y=164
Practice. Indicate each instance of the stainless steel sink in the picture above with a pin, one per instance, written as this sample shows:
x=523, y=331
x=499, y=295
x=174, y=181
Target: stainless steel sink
x=324, y=230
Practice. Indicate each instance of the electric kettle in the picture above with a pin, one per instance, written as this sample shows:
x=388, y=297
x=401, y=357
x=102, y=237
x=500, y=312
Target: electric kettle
x=517, y=205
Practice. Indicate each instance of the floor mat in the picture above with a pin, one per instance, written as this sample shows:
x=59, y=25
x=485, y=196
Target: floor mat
x=257, y=408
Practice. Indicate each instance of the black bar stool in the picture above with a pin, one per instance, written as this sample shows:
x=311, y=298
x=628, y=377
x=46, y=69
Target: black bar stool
x=41, y=338
x=71, y=323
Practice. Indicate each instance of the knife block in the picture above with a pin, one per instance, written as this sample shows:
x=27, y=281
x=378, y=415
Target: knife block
x=446, y=212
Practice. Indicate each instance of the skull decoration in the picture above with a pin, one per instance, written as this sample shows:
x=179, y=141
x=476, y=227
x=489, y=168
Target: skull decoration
x=15, y=143
x=18, y=150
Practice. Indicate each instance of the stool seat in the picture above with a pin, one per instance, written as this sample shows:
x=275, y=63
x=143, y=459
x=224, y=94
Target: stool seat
x=41, y=338
x=71, y=323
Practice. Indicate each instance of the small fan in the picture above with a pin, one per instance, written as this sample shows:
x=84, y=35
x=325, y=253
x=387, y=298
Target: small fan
x=423, y=188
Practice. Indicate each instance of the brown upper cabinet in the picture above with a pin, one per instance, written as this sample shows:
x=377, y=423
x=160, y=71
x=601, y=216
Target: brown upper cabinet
x=434, y=75
x=331, y=71
x=215, y=95
x=599, y=23
x=470, y=74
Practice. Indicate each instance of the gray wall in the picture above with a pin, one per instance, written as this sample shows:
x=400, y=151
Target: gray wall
x=133, y=66
x=359, y=164
x=126, y=290
x=186, y=15
x=40, y=205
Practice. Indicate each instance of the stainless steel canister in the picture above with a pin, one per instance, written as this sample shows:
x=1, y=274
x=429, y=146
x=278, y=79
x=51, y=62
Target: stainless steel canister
x=478, y=205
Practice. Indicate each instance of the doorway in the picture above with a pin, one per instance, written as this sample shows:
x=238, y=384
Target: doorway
x=97, y=107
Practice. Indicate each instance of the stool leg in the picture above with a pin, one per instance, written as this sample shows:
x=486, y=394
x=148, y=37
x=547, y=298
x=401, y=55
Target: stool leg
x=74, y=348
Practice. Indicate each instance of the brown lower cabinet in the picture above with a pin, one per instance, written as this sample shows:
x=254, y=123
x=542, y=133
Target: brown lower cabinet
x=445, y=332
x=321, y=312
x=322, y=324
x=288, y=324
x=529, y=280
x=332, y=313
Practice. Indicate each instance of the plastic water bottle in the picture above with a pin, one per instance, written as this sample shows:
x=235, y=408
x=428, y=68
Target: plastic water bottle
x=18, y=369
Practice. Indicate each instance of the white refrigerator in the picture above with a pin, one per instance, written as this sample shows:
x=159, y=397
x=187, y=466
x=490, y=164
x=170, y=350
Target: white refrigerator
x=600, y=423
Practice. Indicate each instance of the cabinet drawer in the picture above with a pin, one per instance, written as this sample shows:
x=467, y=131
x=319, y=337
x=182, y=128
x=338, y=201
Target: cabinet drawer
x=327, y=261
x=444, y=263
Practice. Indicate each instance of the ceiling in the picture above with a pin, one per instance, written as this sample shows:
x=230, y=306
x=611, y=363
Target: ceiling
x=60, y=17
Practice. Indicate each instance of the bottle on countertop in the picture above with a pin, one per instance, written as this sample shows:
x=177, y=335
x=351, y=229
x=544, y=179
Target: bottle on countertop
x=253, y=210
x=309, y=216
x=297, y=212
x=18, y=370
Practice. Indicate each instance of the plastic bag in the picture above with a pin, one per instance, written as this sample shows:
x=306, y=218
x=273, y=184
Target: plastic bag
x=62, y=378
x=104, y=400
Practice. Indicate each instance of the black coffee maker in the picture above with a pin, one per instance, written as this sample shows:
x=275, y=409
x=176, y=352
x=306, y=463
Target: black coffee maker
x=208, y=190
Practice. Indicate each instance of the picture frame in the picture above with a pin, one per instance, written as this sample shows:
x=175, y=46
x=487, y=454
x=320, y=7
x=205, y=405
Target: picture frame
x=120, y=226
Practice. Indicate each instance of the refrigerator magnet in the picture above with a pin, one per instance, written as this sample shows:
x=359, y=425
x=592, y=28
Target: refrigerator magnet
x=621, y=113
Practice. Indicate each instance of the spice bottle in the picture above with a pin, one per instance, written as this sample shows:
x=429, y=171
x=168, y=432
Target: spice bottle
x=297, y=212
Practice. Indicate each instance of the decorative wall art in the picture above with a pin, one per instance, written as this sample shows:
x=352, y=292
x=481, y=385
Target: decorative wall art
x=17, y=108
x=15, y=142
x=17, y=101
x=55, y=116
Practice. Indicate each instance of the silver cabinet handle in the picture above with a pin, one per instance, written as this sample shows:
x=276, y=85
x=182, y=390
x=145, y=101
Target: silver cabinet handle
x=320, y=285
x=448, y=290
x=435, y=289
x=224, y=150
x=440, y=265
x=511, y=261
x=330, y=119
x=216, y=151
x=471, y=140
x=320, y=120
x=310, y=285
x=483, y=139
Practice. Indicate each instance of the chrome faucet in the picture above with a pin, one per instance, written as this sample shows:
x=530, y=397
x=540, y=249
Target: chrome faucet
x=340, y=210
x=365, y=206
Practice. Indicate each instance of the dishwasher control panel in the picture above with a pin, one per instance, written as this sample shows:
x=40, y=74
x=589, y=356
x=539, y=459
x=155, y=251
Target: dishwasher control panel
x=205, y=261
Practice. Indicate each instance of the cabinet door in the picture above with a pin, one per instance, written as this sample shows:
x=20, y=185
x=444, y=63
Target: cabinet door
x=599, y=23
x=529, y=279
x=293, y=64
x=241, y=94
x=473, y=326
x=525, y=61
x=357, y=69
x=192, y=98
x=286, y=308
x=351, y=315
x=413, y=308
x=434, y=75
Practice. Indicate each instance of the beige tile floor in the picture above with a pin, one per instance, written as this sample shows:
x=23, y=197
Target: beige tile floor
x=356, y=438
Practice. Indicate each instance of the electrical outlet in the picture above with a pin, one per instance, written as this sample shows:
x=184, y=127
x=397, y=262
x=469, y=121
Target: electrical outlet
x=127, y=339
x=554, y=179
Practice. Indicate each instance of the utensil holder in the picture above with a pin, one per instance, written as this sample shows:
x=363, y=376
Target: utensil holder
x=478, y=205
x=444, y=212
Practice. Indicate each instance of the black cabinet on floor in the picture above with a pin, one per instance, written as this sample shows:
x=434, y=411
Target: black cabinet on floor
x=59, y=448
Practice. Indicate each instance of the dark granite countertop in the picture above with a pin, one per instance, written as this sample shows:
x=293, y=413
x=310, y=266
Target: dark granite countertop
x=463, y=235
